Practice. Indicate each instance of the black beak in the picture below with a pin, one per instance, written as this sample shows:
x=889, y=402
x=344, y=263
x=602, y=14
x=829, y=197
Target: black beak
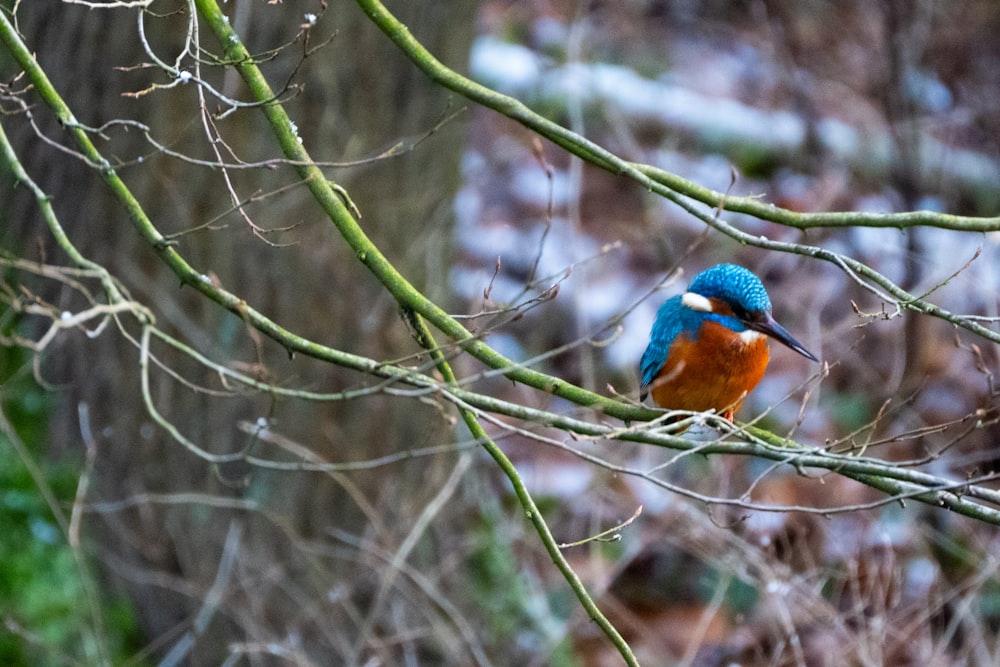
x=768, y=325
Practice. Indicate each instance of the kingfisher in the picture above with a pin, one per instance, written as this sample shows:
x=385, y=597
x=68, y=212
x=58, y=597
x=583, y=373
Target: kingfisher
x=708, y=347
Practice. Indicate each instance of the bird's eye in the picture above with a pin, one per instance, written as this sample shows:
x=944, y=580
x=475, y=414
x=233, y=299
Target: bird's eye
x=740, y=312
x=749, y=316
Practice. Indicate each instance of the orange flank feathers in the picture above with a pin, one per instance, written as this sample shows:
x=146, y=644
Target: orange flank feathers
x=716, y=373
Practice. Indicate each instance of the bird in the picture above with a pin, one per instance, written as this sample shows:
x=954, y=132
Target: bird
x=708, y=347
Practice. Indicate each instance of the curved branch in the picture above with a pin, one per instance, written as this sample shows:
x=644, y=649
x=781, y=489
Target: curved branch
x=649, y=176
x=333, y=205
x=688, y=195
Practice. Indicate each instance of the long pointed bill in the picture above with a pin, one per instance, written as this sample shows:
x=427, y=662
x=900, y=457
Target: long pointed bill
x=770, y=327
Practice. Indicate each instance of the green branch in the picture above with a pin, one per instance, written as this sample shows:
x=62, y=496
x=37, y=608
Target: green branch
x=651, y=177
x=416, y=307
x=962, y=497
x=763, y=210
x=426, y=340
x=326, y=195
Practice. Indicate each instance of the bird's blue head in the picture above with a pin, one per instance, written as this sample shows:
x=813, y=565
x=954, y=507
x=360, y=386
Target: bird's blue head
x=744, y=295
x=738, y=287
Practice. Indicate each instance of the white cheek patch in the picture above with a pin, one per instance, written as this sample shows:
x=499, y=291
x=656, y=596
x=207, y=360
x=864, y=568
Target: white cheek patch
x=696, y=302
x=750, y=336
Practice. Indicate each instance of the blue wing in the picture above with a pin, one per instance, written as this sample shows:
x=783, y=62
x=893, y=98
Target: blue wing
x=669, y=322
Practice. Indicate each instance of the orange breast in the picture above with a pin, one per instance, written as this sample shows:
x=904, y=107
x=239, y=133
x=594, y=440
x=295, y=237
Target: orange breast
x=715, y=372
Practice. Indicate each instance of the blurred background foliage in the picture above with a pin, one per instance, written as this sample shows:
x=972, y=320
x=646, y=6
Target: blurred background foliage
x=817, y=105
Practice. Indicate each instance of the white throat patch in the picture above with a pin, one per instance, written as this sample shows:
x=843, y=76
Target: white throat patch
x=696, y=302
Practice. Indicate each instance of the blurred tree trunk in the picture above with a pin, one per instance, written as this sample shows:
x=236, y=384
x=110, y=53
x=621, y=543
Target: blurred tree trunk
x=359, y=96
